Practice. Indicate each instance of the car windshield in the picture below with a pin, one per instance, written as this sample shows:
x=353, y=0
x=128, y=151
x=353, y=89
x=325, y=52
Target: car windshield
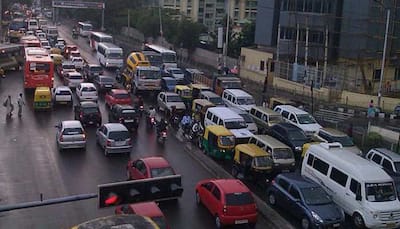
x=306, y=119
x=119, y=135
x=217, y=101
x=344, y=140
x=96, y=69
x=235, y=125
x=90, y=110
x=128, y=113
x=115, y=55
x=397, y=166
x=245, y=101
x=68, y=66
x=380, y=192
x=227, y=140
x=121, y=96
x=174, y=99
x=239, y=198
x=247, y=118
x=162, y=172
x=315, y=196
x=295, y=135
x=282, y=153
x=149, y=74
x=160, y=221
x=89, y=89
x=72, y=131
x=262, y=161
x=75, y=77
x=107, y=80
x=63, y=92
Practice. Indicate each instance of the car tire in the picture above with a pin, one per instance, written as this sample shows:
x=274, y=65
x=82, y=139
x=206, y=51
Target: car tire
x=358, y=221
x=218, y=223
x=198, y=199
x=305, y=223
x=271, y=199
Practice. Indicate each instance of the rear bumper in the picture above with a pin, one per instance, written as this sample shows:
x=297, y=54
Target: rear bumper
x=72, y=145
x=121, y=149
x=232, y=220
x=88, y=98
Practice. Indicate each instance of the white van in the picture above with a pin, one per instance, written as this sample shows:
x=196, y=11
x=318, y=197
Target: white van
x=360, y=187
x=250, y=124
x=32, y=24
x=212, y=97
x=238, y=98
x=229, y=119
x=299, y=118
x=110, y=55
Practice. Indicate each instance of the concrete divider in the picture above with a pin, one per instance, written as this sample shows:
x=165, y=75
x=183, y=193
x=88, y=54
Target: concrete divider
x=266, y=211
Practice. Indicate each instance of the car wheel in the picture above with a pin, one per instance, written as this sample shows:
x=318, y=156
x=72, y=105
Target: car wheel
x=305, y=223
x=198, y=199
x=358, y=221
x=271, y=199
x=218, y=222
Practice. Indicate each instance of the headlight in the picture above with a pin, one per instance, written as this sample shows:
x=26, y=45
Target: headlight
x=298, y=148
x=293, y=164
x=374, y=214
x=316, y=217
x=276, y=164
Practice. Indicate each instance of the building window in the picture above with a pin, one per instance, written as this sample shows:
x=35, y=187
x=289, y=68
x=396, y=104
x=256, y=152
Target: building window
x=397, y=74
x=377, y=74
x=262, y=65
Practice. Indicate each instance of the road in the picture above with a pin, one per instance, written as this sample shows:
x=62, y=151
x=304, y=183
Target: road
x=30, y=165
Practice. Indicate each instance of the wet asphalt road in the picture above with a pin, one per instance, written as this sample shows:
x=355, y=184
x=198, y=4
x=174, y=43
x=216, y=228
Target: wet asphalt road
x=30, y=165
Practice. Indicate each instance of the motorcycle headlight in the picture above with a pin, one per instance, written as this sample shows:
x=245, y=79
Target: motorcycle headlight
x=298, y=148
x=316, y=217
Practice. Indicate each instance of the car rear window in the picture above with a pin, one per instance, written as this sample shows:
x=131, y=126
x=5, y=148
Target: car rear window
x=282, y=153
x=119, y=135
x=121, y=96
x=128, y=113
x=239, y=198
x=63, y=93
x=162, y=172
x=72, y=131
x=75, y=77
x=88, y=89
x=96, y=69
x=90, y=110
x=107, y=80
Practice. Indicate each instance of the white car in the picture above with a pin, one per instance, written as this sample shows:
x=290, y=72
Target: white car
x=45, y=44
x=176, y=73
x=73, y=79
x=78, y=62
x=62, y=95
x=70, y=135
x=41, y=35
x=166, y=100
x=86, y=92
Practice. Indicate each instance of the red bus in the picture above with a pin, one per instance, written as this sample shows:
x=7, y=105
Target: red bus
x=30, y=41
x=39, y=69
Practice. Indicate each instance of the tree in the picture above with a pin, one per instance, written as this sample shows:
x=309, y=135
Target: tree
x=244, y=38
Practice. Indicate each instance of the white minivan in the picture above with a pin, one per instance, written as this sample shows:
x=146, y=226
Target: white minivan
x=361, y=188
x=238, y=98
x=299, y=118
x=229, y=119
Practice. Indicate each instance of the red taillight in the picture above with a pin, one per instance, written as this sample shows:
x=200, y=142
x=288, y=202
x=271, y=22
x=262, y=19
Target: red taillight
x=224, y=209
x=273, y=182
x=61, y=138
x=121, y=120
x=81, y=115
x=129, y=141
x=108, y=143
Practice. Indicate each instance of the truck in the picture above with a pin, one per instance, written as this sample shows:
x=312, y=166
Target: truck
x=218, y=83
x=52, y=34
x=16, y=30
x=146, y=78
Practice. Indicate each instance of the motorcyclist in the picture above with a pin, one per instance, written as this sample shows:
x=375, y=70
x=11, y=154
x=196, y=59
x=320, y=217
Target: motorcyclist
x=186, y=122
x=161, y=126
x=151, y=114
x=196, y=127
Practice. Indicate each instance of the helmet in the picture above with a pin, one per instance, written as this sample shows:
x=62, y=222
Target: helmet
x=151, y=107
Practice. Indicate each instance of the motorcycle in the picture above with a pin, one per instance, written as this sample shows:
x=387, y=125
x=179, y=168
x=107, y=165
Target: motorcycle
x=141, y=110
x=151, y=122
x=175, y=121
x=185, y=129
x=162, y=137
x=196, y=133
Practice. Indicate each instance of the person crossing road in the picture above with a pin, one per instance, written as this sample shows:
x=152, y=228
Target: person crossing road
x=21, y=103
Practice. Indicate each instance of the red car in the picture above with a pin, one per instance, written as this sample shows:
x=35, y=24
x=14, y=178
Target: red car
x=228, y=200
x=148, y=167
x=118, y=96
x=147, y=209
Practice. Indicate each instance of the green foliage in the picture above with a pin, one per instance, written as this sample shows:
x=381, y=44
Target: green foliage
x=373, y=140
x=244, y=38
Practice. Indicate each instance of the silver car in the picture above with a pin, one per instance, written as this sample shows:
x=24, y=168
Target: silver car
x=166, y=100
x=114, y=138
x=70, y=135
x=73, y=79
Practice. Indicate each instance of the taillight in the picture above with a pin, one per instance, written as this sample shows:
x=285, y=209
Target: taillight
x=84, y=136
x=108, y=143
x=121, y=120
x=61, y=138
x=81, y=115
x=129, y=141
x=164, y=133
x=224, y=209
x=141, y=107
x=152, y=120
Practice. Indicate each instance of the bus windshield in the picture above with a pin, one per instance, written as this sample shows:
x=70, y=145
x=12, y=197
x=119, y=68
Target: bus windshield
x=169, y=58
x=115, y=55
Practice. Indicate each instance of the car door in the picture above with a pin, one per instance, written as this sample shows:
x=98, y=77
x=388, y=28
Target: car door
x=205, y=193
x=282, y=192
x=101, y=134
x=215, y=200
x=294, y=202
x=139, y=170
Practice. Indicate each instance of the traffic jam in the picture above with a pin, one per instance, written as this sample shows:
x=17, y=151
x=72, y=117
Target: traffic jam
x=277, y=152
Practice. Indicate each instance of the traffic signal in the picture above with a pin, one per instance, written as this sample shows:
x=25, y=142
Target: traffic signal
x=152, y=189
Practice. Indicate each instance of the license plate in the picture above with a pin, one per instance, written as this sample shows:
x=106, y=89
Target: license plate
x=108, y=86
x=241, y=221
x=129, y=120
x=90, y=122
x=285, y=170
x=63, y=102
x=336, y=225
x=391, y=225
x=120, y=143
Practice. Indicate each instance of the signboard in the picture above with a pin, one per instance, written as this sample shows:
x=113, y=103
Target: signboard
x=220, y=37
x=79, y=5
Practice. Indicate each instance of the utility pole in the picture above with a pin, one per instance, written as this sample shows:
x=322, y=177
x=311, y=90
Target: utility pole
x=1, y=20
x=161, y=29
x=102, y=16
x=227, y=33
x=383, y=58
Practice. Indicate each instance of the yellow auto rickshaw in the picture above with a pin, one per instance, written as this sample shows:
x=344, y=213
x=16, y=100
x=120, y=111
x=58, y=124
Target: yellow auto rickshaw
x=185, y=93
x=250, y=161
x=199, y=108
x=218, y=142
x=55, y=51
x=42, y=98
x=57, y=59
x=197, y=88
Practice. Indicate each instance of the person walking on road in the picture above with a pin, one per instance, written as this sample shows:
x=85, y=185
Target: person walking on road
x=371, y=109
x=9, y=106
x=21, y=103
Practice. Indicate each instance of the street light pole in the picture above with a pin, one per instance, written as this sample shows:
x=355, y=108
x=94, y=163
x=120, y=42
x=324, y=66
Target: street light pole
x=383, y=58
x=227, y=34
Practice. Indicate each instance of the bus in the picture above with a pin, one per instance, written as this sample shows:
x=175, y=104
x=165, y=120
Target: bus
x=11, y=56
x=85, y=29
x=168, y=56
x=97, y=37
x=30, y=41
x=110, y=55
x=38, y=69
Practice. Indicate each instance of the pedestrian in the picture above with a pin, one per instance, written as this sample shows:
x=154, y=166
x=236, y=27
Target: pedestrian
x=265, y=103
x=21, y=103
x=9, y=106
x=371, y=109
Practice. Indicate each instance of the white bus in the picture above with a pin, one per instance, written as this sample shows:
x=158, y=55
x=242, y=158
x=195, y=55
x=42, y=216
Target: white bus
x=97, y=37
x=168, y=56
x=84, y=29
x=110, y=55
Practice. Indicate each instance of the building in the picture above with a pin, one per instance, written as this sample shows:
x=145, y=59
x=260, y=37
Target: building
x=212, y=12
x=335, y=43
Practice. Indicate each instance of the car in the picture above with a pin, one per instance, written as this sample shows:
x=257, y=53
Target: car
x=177, y=74
x=290, y=135
x=125, y=114
x=90, y=71
x=114, y=138
x=168, y=84
x=396, y=111
x=41, y=35
x=330, y=135
x=61, y=95
x=65, y=68
x=305, y=200
x=70, y=134
x=388, y=160
x=78, y=62
x=88, y=113
x=149, y=167
x=86, y=92
x=73, y=79
x=147, y=209
x=60, y=46
x=166, y=100
x=75, y=53
x=118, y=96
x=68, y=49
x=103, y=82
x=228, y=200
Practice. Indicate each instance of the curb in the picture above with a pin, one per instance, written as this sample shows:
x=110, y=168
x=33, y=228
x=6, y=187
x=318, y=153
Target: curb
x=210, y=165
